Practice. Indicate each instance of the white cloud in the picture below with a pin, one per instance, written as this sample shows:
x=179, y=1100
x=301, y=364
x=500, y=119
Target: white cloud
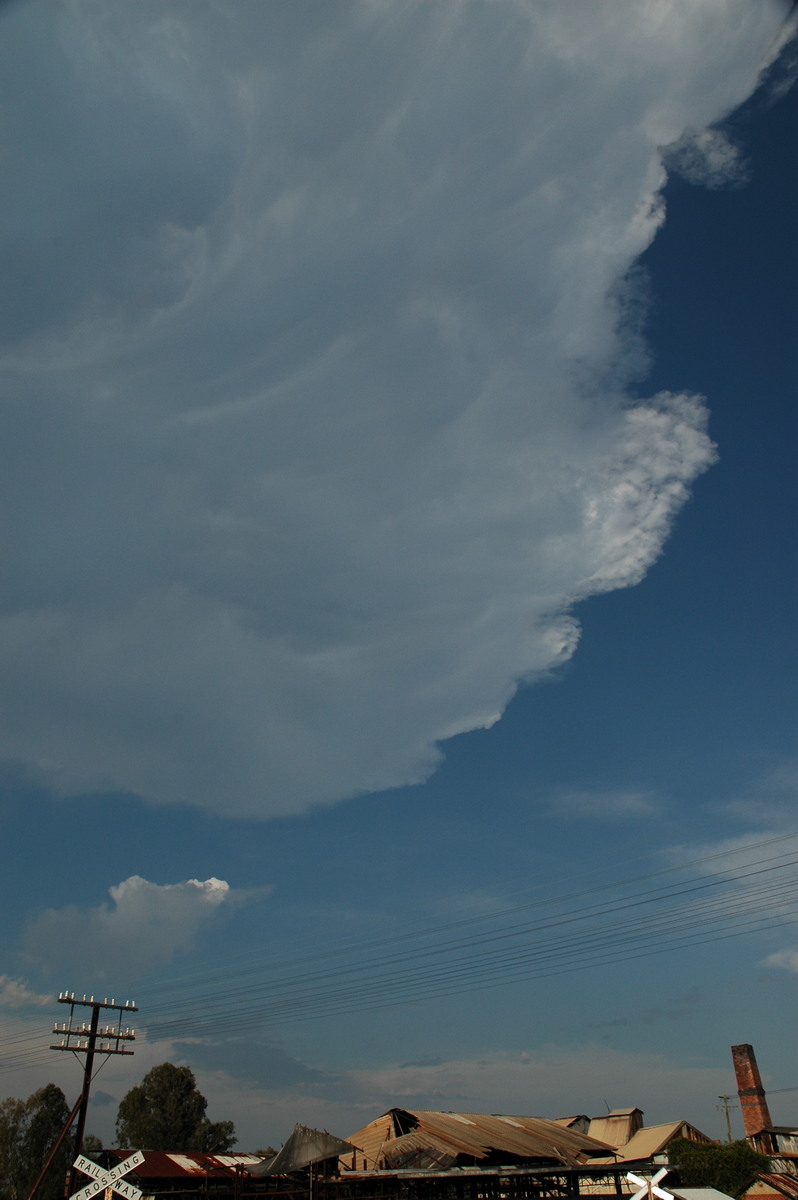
x=610, y=805
x=708, y=158
x=550, y=1081
x=16, y=994
x=145, y=926
x=767, y=800
x=317, y=424
x=757, y=874
x=786, y=960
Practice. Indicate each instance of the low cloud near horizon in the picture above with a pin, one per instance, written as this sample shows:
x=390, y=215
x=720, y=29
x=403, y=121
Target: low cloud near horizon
x=317, y=350
x=552, y=1081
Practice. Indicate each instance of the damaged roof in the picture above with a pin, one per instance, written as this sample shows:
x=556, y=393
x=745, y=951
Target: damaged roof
x=160, y=1165
x=437, y=1140
x=304, y=1147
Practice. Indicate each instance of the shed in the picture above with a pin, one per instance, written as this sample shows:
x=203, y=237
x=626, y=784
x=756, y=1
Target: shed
x=162, y=1172
x=650, y=1143
x=405, y=1138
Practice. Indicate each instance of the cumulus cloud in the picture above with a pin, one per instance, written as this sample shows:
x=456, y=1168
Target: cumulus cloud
x=708, y=158
x=16, y=994
x=317, y=418
x=145, y=926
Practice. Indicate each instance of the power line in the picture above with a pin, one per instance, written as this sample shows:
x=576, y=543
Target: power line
x=243, y=965
x=749, y=891
x=358, y=982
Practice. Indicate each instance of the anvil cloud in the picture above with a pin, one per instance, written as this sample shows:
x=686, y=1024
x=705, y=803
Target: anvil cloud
x=318, y=340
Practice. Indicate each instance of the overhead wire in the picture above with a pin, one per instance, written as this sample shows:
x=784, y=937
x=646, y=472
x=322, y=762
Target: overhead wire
x=410, y=975
x=252, y=966
x=246, y=964
x=614, y=921
x=403, y=972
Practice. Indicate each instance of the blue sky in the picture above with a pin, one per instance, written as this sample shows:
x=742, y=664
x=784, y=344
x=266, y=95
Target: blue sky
x=399, y=506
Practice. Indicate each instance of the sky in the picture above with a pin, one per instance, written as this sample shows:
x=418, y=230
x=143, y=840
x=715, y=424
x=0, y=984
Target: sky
x=397, y=620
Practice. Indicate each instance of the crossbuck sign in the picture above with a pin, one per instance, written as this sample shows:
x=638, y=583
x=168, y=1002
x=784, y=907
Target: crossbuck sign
x=102, y=1179
x=648, y=1187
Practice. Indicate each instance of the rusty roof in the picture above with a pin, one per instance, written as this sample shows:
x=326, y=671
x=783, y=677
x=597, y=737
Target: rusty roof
x=448, y=1137
x=158, y=1164
x=420, y=1150
x=652, y=1139
x=616, y=1127
x=774, y=1183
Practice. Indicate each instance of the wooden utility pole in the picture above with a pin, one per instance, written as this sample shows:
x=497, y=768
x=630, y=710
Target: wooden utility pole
x=725, y=1106
x=90, y=1039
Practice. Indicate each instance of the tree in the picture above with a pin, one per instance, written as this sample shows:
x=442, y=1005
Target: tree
x=729, y=1168
x=92, y=1145
x=28, y=1131
x=166, y=1111
x=12, y=1123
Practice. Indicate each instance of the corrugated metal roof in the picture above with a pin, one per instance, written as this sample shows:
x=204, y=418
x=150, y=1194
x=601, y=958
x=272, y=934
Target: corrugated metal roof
x=617, y=1127
x=475, y=1136
x=706, y=1193
x=774, y=1183
x=304, y=1147
x=370, y=1140
x=652, y=1139
x=419, y=1150
x=160, y=1165
x=580, y=1121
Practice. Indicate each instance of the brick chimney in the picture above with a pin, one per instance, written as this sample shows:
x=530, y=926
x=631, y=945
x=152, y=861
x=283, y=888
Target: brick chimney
x=753, y=1104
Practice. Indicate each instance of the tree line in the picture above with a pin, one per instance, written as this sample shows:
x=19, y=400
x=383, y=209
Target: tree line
x=166, y=1111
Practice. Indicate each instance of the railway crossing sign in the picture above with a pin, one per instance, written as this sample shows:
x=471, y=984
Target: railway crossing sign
x=109, y=1181
x=648, y=1187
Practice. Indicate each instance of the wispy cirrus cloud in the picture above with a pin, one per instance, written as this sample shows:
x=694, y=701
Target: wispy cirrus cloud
x=605, y=805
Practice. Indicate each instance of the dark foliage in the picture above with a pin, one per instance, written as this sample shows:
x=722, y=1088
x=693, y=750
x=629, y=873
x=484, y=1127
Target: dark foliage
x=166, y=1111
x=729, y=1168
x=28, y=1131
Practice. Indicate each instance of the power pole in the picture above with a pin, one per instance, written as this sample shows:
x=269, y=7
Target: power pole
x=725, y=1106
x=90, y=1039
